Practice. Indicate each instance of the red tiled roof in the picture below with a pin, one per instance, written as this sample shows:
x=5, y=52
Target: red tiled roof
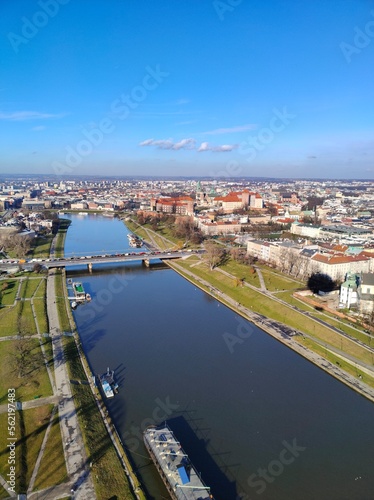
x=339, y=259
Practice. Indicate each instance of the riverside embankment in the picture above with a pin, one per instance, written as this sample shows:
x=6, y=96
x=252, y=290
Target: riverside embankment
x=282, y=333
x=109, y=470
x=232, y=393
x=291, y=333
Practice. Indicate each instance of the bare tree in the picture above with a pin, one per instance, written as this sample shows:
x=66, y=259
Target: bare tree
x=21, y=353
x=22, y=245
x=17, y=243
x=214, y=254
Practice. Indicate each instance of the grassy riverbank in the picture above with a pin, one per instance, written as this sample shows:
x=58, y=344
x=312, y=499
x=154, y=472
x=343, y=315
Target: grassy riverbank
x=268, y=306
x=337, y=340
x=108, y=473
x=60, y=237
x=23, y=369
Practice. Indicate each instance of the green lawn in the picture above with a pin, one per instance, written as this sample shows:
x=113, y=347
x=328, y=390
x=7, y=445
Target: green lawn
x=167, y=233
x=9, y=293
x=34, y=383
x=158, y=235
x=60, y=237
x=136, y=229
x=265, y=305
x=61, y=304
x=349, y=368
x=31, y=426
x=41, y=247
x=31, y=286
x=161, y=242
x=28, y=322
x=242, y=271
x=288, y=297
x=346, y=326
x=274, y=281
x=41, y=291
x=35, y=422
x=52, y=469
x=9, y=320
x=41, y=314
x=3, y=493
x=22, y=292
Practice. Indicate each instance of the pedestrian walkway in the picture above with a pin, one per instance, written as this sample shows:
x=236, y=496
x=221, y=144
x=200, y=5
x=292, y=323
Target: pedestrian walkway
x=261, y=278
x=281, y=333
x=367, y=368
x=33, y=403
x=75, y=455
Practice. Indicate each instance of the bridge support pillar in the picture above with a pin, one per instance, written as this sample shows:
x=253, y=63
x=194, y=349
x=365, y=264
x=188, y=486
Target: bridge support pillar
x=89, y=267
x=146, y=262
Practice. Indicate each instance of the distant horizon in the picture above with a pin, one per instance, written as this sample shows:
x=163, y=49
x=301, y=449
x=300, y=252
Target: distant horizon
x=182, y=177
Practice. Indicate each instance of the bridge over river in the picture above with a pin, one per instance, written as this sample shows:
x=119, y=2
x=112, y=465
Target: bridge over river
x=90, y=260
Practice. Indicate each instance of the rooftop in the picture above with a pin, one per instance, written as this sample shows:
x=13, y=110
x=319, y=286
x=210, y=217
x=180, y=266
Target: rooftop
x=179, y=471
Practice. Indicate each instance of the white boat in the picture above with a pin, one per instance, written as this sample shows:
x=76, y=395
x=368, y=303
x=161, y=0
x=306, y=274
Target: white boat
x=107, y=383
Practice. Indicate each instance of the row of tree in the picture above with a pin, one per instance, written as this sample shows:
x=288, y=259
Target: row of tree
x=18, y=244
x=181, y=227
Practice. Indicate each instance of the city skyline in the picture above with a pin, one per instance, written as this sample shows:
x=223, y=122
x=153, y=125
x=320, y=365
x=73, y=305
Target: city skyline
x=218, y=89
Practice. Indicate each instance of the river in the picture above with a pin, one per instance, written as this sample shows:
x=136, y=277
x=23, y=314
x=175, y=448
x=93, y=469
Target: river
x=257, y=420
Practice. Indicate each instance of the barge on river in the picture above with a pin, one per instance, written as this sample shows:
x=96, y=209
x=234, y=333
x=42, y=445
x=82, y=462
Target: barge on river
x=79, y=293
x=175, y=468
x=134, y=241
x=108, y=384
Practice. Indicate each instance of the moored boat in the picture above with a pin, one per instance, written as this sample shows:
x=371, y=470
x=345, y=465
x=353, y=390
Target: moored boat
x=175, y=468
x=134, y=241
x=108, y=384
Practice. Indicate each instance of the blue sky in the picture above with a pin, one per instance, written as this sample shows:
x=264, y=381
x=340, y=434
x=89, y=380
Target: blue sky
x=189, y=87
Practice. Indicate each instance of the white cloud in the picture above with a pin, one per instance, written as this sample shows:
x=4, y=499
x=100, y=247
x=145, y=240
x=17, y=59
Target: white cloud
x=204, y=146
x=231, y=130
x=18, y=116
x=38, y=128
x=224, y=148
x=169, y=144
x=147, y=142
x=188, y=144
x=185, y=144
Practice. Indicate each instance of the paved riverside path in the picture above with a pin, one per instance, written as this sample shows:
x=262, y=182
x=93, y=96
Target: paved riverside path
x=33, y=403
x=369, y=369
x=75, y=455
x=279, y=331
